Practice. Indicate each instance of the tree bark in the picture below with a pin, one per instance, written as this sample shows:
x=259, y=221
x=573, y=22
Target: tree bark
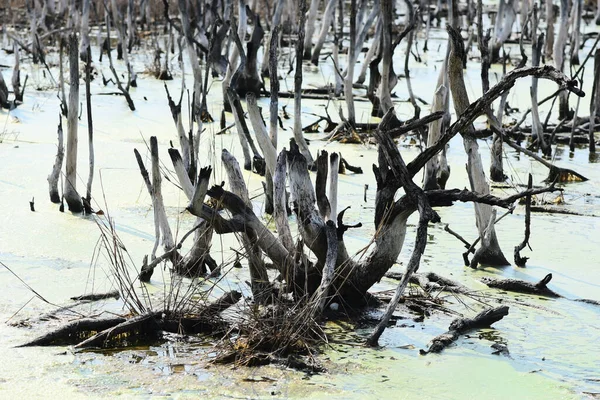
x=71, y=196
x=325, y=25
x=492, y=255
x=58, y=162
x=298, y=136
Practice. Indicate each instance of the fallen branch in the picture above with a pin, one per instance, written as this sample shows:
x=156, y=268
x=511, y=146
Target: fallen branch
x=519, y=286
x=461, y=326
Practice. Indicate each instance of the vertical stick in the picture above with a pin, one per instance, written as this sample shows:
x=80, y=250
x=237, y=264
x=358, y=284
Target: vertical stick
x=58, y=162
x=350, y=69
x=520, y=261
x=332, y=193
x=88, y=102
x=310, y=27
x=595, y=102
x=71, y=196
x=274, y=83
x=298, y=136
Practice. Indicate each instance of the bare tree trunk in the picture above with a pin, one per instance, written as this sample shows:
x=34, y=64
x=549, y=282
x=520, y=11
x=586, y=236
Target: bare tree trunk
x=490, y=254
x=258, y=272
x=71, y=196
x=435, y=173
x=595, y=101
x=504, y=22
x=279, y=204
x=310, y=27
x=550, y=19
x=537, y=130
x=84, y=31
x=525, y=8
x=334, y=166
x=275, y=22
x=349, y=80
x=496, y=164
x=55, y=174
x=325, y=25
x=386, y=49
x=161, y=222
x=373, y=49
x=88, y=102
x=298, y=136
x=274, y=83
x=235, y=52
x=559, y=56
x=576, y=33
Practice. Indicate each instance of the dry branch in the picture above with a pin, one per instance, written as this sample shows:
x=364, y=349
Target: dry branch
x=461, y=326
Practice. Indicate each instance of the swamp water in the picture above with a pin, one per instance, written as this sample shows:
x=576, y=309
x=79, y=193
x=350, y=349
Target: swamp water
x=553, y=344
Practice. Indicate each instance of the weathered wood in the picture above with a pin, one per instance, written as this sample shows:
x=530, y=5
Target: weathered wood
x=279, y=203
x=326, y=22
x=559, y=55
x=415, y=198
x=520, y=261
x=321, y=183
x=491, y=254
x=310, y=28
x=298, y=136
x=274, y=86
x=144, y=325
x=259, y=278
x=536, y=53
x=504, y=21
x=555, y=173
x=520, y=286
x=595, y=100
x=461, y=326
x=273, y=36
x=332, y=194
x=70, y=192
x=90, y=123
x=221, y=304
x=97, y=296
x=349, y=79
x=58, y=161
x=386, y=86
x=550, y=20
x=194, y=263
x=244, y=134
x=74, y=332
x=437, y=170
x=321, y=295
x=161, y=223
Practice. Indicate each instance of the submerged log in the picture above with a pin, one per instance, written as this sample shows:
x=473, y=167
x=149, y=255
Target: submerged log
x=520, y=286
x=461, y=326
x=75, y=332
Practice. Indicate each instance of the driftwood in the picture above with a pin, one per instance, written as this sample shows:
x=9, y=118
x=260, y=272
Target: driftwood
x=519, y=286
x=97, y=296
x=461, y=326
x=75, y=332
x=103, y=333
